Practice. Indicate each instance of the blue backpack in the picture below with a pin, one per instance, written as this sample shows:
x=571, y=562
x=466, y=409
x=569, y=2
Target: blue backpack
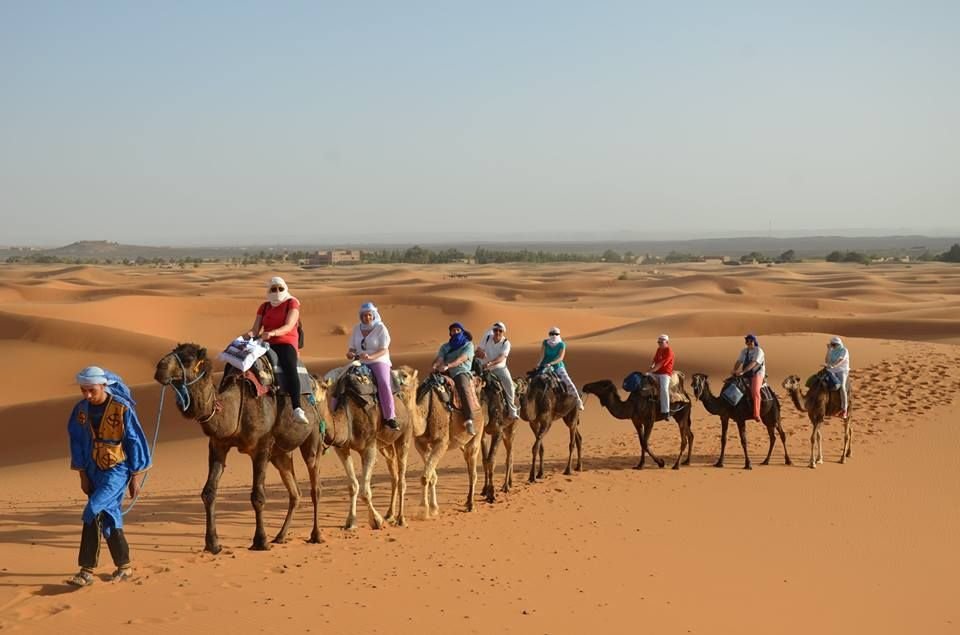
x=633, y=381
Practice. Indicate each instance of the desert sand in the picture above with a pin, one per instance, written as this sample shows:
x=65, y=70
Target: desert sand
x=870, y=546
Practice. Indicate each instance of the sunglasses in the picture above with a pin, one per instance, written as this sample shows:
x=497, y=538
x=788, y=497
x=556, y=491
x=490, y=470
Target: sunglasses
x=552, y=333
x=498, y=330
x=277, y=288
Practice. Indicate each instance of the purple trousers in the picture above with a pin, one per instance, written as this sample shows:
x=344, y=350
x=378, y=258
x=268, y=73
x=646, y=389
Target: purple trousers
x=381, y=372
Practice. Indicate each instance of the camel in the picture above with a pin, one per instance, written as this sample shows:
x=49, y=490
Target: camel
x=642, y=407
x=820, y=403
x=499, y=426
x=444, y=429
x=257, y=427
x=769, y=415
x=540, y=405
x=358, y=426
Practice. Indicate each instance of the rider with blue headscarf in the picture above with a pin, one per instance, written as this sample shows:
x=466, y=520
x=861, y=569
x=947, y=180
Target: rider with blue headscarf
x=455, y=358
x=370, y=345
x=109, y=450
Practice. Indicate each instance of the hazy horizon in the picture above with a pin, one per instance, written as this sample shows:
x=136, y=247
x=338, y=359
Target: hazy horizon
x=225, y=124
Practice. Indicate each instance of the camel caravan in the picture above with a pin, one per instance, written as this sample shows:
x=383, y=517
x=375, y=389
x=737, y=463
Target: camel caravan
x=266, y=405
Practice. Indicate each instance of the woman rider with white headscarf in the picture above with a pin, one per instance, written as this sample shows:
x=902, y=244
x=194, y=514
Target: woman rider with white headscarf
x=552, y=352
x=276, y=324
x=837, y=363
x=370, y=345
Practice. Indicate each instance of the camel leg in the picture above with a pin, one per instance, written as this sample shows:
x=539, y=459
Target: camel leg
x=429, y=479
x=311, y=457
x=783, y=440
x=570, y=448
x=773, y=442
x=847, y=439
x=217, y=460
x=471, y=454
x=489, y=466
x=283, y=461
x=813, y=444
x=258, y=497
x=579, y=466
x=643, y=445
x=344, y=455
x=389, y=456
x=689, y=426
x=508, y=467
x=724, y=425
x=820, y=444
x=403, y=453
x=742, y=432
x=683, y=444
x=647, y=429
x=540, y=470
x=369, y=458
x=537, y=445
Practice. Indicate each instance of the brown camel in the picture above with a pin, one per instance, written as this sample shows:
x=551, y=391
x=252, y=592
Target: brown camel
x=769, y=415
x=499, y=426
x=540, y=406
x=819, y=403
x=236, y=418
x=444, y=429
x=642, y=407
x=357, y=425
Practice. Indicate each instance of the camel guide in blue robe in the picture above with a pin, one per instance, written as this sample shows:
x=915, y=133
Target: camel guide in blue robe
x=109, y=450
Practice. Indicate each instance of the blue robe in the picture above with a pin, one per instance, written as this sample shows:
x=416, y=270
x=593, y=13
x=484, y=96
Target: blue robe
x=110, y=484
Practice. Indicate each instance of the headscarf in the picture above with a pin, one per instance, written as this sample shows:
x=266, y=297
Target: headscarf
x=96, y=376
x=276, y=298
x=553, y=340
x=751, y=336
x=371, y=308
x=836, y=353
x=459, y=340
x=664, y=337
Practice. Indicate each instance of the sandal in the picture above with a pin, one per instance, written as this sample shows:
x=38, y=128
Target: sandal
x=83, y=578
x=122, y=574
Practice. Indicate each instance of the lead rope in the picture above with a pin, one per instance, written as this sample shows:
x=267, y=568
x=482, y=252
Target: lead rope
x=153, y=450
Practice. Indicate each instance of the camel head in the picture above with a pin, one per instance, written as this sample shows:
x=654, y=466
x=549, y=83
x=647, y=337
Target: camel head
x=183, y=365
x=792, y=383
x=699, y=384
x=408, y=378
x=599, y=388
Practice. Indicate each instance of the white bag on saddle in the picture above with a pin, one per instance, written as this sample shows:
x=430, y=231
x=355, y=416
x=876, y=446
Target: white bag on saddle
x=242, y=353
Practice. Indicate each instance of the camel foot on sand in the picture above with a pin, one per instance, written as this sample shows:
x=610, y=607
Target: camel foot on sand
x=676, y=466
x=638, y=466
x=567, y=472
x=765, y=462
x=718, y=464
x=376, y=522
x=661, y=463
x=787, y=462
x=213, y=548
x=279, y=540
x=748, y=467
x=260, y=544
x=315, y=538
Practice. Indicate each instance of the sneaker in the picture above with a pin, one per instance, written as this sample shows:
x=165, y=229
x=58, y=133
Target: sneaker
x=514, y=416
x=300, y=415
x=469, y=426
x=392, y=424
x=122, y=574
x=579, y=405
x=83, y=578
x=843, y=414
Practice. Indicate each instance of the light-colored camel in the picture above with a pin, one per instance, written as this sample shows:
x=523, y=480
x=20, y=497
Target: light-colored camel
x=540, y=406
x=819, y=402
x=769, y=415
x=499, y=426
x=237, y=418
x=642, y=407
x=357, y=425
x=445, y=429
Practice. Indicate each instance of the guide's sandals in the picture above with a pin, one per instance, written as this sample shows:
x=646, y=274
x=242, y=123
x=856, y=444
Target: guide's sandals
x=83, y=578
x=121, y=575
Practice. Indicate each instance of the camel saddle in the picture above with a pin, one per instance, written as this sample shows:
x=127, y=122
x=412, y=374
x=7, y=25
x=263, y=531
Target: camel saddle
x=825, y=378
x=550, y=380
x=678, y=394
x=266, y=376
x=446, y=390
x=360, y=384
x=742, y=385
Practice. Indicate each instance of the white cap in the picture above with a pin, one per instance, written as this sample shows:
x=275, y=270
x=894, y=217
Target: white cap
x=836, y=340
x=664, y=337
x=500, y=325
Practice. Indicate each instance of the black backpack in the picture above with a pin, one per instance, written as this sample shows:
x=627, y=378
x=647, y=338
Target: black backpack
x=263, y=309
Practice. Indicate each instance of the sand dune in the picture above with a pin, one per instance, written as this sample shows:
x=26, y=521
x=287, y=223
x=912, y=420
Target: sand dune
x=863, y=547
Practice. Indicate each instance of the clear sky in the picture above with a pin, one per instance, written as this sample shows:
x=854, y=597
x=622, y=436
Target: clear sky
x=217, y=122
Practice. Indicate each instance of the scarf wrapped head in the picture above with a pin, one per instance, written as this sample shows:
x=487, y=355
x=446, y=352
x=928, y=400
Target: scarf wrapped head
x=369, y=307
x=552, y=339
x=750, y=337
x=96, y=376
x=276, y=298
x=459, y=340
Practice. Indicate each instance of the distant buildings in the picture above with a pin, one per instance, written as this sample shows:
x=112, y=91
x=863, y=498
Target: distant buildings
x=336, y=257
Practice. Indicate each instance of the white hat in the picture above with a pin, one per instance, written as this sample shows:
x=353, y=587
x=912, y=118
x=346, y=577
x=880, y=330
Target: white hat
x=499, y=325
x=836, y=340
x=664, y=337
x=554, y=330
